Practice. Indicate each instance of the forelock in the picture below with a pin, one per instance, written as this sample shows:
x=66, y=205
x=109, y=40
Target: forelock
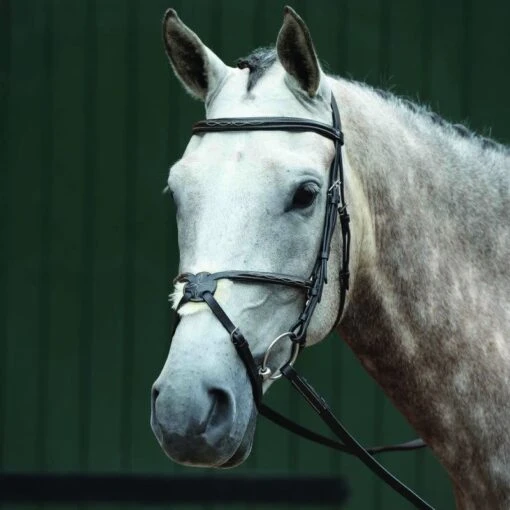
x=258, y=62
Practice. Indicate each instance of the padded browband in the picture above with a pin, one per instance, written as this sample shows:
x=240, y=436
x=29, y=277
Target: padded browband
x=268, y=124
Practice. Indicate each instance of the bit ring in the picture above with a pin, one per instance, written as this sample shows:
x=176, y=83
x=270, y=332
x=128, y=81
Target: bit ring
x=264, y=371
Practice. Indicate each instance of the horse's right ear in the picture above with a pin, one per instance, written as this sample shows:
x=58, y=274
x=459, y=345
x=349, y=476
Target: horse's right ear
x=198, y=68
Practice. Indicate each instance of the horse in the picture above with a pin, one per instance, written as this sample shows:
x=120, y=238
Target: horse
x=427, y=311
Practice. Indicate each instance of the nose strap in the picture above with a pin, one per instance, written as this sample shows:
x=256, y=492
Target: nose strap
x=200, y=288
x=241, y=345
x=207, y=281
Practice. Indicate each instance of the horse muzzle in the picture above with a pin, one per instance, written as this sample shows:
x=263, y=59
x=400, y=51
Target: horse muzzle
x=197, y=428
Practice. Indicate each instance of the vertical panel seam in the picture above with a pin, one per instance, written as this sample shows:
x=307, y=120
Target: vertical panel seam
x=343, y=59
x=130, y=228
x=425, y=50
x=467, y=55
x=5, y=63
x=385, y=42
x=47, y=166
x=88, y=232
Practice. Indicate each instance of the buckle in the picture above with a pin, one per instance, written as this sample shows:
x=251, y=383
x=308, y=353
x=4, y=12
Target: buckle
x=336, y=185
x=344, y=278
x=344, y=216
x=334, y=192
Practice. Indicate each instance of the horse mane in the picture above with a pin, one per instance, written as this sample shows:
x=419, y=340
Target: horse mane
x=261, y=59
x=456, y=129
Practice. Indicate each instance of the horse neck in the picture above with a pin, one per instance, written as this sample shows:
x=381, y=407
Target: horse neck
x=428, y=312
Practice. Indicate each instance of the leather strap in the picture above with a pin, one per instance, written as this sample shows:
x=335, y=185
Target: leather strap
x=267, y=124
x=320, y=406
x=241, y=345
x=295, y=428
x=254, y=276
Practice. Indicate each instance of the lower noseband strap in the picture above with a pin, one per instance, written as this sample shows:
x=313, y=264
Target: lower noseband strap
x=240, y=343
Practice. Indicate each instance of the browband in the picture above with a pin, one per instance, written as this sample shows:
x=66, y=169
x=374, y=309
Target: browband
x=252, y=276
x=268, y=124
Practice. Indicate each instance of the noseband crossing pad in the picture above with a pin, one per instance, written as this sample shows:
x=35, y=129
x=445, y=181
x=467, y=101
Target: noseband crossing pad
x=196, y=285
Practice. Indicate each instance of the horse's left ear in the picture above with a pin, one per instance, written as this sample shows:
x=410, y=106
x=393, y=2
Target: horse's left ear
x=297, y=53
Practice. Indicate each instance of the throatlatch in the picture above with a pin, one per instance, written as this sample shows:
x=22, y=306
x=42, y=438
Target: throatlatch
x=202, y=286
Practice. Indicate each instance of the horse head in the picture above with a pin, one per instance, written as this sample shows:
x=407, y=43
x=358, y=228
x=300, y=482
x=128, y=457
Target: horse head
x=245, y=200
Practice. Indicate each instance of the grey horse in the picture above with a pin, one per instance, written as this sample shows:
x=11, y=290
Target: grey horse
x=428, y=310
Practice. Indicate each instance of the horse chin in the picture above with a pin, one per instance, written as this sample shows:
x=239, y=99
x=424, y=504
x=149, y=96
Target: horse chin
x=244, y=449
x=196, y=451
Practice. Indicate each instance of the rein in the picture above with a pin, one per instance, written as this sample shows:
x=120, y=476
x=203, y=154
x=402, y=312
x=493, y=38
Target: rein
x=201, y=287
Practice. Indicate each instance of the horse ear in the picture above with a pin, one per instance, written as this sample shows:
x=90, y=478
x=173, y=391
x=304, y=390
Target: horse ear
x=297, y=53
x=196, y=66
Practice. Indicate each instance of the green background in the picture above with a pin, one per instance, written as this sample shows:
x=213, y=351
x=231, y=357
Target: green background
x=91, y=117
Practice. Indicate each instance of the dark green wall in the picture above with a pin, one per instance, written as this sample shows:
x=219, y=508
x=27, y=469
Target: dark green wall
x=91, y=118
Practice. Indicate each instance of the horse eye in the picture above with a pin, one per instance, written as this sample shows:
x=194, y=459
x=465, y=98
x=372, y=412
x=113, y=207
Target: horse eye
x=304, y=196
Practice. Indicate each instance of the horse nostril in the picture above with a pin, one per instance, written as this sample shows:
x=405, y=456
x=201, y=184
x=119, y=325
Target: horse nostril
x=154, y=396
x=219, y=396
x=222, y=406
